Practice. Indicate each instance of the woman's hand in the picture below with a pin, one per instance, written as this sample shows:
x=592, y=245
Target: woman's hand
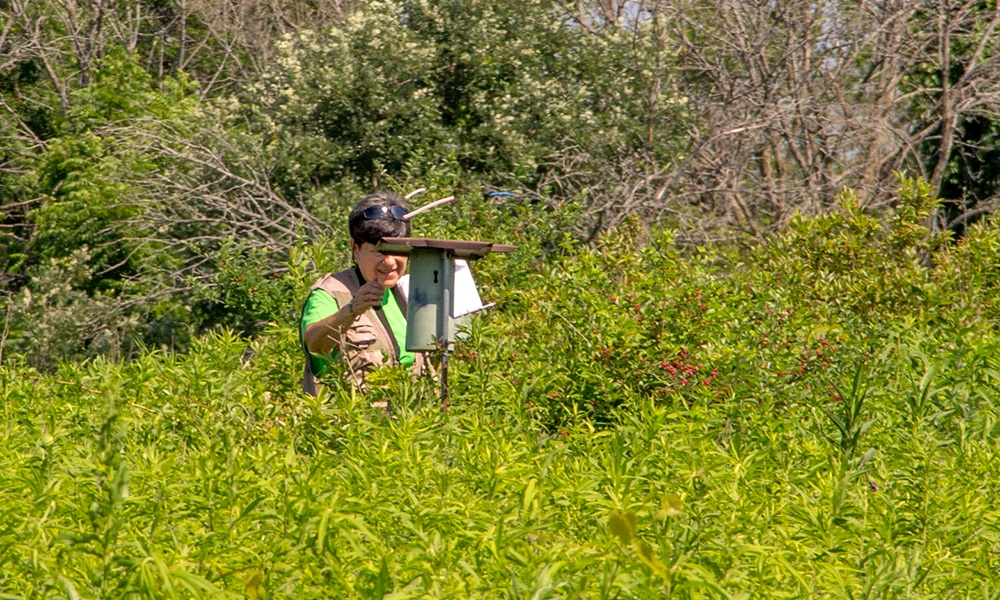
x=322, y=337
x=370, y=295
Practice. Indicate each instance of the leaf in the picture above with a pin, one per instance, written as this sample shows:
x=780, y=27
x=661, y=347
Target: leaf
x=383, y=580
x=866, y=458
x=252, y=587
x=648, y=556
x=249, y=508
x=622, y=525
x=529, y=496
x=670, y=506
x=71, y=592
x=291, y=458
x=324, y=524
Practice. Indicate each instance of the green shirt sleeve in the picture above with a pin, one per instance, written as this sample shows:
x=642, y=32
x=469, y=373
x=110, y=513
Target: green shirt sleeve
x=397, y=323
x=319, y=305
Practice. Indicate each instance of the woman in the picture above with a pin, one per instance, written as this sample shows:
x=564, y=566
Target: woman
x=359, y=315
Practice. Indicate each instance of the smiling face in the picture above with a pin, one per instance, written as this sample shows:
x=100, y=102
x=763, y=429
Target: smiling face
x=375, y=266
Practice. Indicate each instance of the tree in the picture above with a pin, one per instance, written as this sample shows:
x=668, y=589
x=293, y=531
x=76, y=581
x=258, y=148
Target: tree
x=798, y=100
x=956, y=104
x=520, y=95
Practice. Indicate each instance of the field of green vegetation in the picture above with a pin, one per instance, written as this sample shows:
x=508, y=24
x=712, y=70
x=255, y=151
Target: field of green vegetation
x=712, y=371
x=813, y=418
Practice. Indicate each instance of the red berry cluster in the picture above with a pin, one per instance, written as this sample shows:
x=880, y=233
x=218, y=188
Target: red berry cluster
x=683, y=371
x=459, y=353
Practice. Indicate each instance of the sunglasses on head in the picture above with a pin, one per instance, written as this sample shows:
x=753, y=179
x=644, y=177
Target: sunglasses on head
x=377, y=212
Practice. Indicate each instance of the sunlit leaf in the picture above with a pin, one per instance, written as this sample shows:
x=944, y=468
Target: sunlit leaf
x=622, y=525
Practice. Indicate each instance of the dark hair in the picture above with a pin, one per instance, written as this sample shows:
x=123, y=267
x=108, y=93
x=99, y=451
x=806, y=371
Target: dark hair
x=373, y=230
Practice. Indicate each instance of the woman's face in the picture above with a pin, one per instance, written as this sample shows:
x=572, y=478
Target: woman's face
x=375, y=266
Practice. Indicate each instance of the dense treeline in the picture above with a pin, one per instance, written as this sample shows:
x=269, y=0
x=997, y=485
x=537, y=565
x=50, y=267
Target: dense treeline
x=162, y=163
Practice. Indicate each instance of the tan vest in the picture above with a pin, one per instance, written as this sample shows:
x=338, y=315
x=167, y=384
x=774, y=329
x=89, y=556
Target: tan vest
x=368, y=343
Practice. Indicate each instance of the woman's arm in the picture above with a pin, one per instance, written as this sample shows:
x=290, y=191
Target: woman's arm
x=326, y=335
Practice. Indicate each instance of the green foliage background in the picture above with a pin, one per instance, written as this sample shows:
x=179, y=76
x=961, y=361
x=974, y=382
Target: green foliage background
x=813, y=414
x=630, y=421
x=144, y=186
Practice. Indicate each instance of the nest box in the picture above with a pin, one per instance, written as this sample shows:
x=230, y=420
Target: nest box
x=436, y=296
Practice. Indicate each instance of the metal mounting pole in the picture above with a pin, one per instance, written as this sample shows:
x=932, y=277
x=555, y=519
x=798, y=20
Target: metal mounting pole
x=445, y=322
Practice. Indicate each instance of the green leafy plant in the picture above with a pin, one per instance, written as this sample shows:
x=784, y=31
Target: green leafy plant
x=629, y=421
x=850, y=420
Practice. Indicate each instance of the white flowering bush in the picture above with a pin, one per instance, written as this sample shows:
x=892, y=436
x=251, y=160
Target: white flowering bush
x=505, y=94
